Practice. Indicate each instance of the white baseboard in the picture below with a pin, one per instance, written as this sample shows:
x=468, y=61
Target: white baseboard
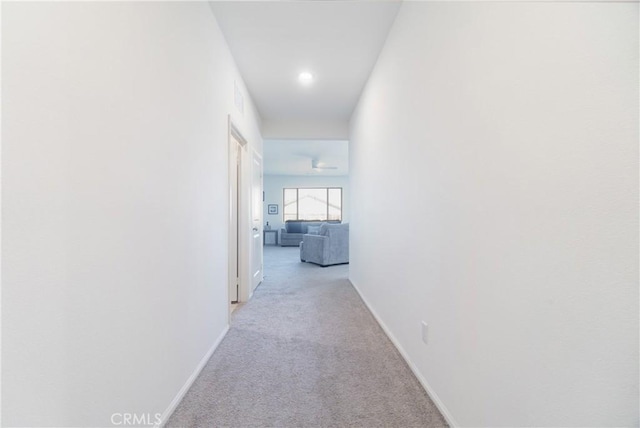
x=178, y=398
x=430, y=392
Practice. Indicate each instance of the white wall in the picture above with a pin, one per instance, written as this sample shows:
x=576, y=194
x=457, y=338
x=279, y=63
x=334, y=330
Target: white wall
x=273, y=185
x=503, y=137
x=114, y=192
x=305, y=129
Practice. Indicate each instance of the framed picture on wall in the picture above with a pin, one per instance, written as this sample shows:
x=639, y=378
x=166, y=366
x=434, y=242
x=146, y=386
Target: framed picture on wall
x=272, y=209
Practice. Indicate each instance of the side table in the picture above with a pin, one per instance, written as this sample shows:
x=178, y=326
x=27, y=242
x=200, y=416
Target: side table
x=275, y=237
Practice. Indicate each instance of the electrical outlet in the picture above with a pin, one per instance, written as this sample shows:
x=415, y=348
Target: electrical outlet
x=425, y=332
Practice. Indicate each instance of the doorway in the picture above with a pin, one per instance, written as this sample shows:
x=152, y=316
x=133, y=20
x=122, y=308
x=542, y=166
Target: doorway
x=245, y=271
x=235, y=165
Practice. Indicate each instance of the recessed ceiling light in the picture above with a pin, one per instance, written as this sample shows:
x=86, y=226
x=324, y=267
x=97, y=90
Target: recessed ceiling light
x=305, y=78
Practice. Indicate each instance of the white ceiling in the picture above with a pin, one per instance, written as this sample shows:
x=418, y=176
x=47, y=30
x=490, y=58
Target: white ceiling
x=337, y=41
x=294, y=157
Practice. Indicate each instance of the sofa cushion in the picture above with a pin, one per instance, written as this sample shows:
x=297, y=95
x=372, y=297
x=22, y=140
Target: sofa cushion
x=307, y=224
x=323, y=229
x=326, y=228
x=313, y=229
x=293, y=226
x=300, y=226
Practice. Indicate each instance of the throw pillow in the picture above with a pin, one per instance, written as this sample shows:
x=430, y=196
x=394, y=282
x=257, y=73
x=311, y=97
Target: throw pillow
x=313, y=230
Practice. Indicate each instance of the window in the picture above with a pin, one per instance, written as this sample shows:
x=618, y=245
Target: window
x=320, y=203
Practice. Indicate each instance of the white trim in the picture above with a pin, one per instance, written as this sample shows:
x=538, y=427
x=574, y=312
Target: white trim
x=178, y=398
x=244, y=210
x=243, y=220
x=430, y=392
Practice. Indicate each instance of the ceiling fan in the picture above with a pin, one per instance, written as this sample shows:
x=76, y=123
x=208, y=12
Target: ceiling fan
x=320, y=166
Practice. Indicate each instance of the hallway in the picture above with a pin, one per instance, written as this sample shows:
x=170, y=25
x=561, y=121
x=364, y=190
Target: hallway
x=305, y=351
x=491, y=190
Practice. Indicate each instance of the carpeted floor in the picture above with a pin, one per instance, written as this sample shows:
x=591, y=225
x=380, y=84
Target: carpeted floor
x=305, y=352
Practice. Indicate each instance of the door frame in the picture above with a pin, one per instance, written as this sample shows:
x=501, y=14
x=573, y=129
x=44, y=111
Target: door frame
x=243, y=217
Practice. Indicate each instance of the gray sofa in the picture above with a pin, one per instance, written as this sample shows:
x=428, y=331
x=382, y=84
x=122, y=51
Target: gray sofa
x=329, y=247
x=293, y=230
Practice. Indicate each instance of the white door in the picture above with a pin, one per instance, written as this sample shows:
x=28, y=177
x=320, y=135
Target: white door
x=256, y=220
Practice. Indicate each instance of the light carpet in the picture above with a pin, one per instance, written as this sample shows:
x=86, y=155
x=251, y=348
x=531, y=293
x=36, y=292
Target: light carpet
x=305, y=352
